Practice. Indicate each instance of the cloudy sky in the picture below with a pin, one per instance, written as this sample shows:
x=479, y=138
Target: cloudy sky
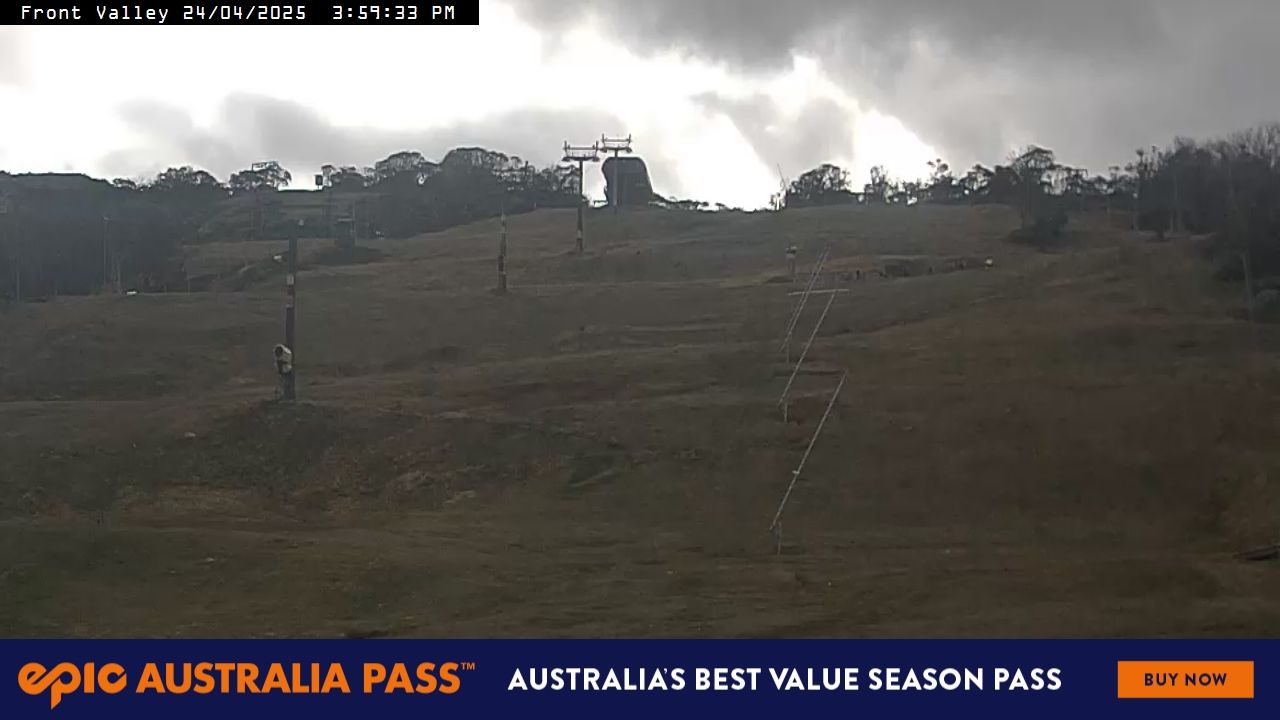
x=720, y=95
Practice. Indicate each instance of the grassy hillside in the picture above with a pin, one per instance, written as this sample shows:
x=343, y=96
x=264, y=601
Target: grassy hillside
x=1070, y=443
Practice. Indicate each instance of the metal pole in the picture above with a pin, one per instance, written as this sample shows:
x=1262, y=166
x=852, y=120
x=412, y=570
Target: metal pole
x=291, y=282
x=617, y=189
x=616, y=146
x=581, y=155
x=581, y=195
x=795, y=474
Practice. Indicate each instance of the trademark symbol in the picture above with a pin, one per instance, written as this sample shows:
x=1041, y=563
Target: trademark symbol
x=467, y=666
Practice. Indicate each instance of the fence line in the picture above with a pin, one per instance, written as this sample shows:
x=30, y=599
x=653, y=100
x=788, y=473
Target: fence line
x=795, y=474
x=796, y=370
x=795, y=314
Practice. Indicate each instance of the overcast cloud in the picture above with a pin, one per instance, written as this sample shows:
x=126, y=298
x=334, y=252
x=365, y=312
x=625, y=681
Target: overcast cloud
x=253, y=126
x=1093, y=79
x=12, y=57
x=818, y=133
x=718, y=93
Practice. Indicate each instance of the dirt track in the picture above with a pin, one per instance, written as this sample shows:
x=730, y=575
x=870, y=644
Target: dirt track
x=1067, y=444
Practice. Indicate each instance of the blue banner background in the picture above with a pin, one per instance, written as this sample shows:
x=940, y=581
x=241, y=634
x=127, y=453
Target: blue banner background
x=1088, y=674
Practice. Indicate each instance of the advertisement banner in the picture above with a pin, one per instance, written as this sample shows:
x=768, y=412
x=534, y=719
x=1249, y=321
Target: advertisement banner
x=638, y=678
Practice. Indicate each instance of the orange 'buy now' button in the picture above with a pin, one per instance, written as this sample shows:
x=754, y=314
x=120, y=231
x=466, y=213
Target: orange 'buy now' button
x=1190, y=679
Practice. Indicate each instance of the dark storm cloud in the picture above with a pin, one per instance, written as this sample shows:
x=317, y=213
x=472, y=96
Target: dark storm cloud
x=252, y=128
x=761, y=33
x=1091, y=78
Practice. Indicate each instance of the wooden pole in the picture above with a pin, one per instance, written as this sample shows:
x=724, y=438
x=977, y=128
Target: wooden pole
x=1248, y=281
x=106, y=264
x=1249, y=298
x=1179, y=228
x=10, y=236
x=16, y=235
x=502, y=252
x=17, y=259
x=291, y=283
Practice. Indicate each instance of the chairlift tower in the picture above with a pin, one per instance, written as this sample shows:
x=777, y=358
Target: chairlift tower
x=616, y=146
x=581, y=154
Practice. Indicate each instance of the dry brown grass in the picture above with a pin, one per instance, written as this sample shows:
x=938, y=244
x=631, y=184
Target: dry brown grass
x=1069, y=444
